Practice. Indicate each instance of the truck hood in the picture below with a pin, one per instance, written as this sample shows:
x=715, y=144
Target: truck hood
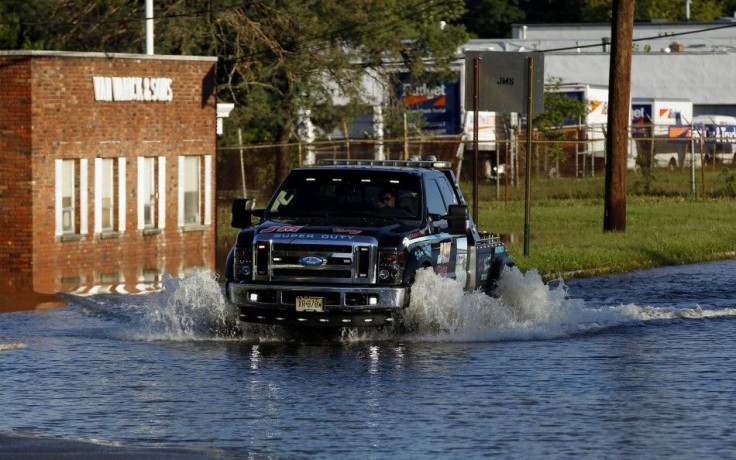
x=391, y=233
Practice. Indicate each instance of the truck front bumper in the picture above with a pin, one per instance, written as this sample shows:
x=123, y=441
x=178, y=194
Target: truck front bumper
x=342, y=305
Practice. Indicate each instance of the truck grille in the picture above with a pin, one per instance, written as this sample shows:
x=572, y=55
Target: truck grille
x=299, y=261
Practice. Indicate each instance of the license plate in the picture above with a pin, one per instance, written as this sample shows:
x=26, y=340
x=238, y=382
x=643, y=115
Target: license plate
x=310, y=304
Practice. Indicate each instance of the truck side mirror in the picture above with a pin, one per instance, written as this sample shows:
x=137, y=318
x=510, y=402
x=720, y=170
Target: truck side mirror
x=241, y=213
x=457, y=219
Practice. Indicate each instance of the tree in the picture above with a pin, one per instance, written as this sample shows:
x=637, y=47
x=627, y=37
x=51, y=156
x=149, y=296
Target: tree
x=491, y=18
x=24, y=23
x=701, y=10
x=280, y=58
x=558, y=108
x=94, y=25
x=552, y=11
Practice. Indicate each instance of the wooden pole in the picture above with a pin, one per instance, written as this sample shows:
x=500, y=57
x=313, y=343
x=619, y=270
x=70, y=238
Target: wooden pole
x=618, y=116
x=242, y=162
x=476, y=108
x=528, y=169
x=406, y=139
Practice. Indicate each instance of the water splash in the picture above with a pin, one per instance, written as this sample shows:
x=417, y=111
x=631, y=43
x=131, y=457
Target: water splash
x=194, y=308
x=187, y=308
x=526, y=309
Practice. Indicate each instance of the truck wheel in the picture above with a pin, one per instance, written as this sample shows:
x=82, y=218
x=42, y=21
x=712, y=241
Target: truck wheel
x=672, y=164
x=495, y=272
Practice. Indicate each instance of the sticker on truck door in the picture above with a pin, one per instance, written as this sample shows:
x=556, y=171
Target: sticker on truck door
x=445, y=252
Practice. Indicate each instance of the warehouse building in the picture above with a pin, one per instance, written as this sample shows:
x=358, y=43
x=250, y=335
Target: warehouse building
x=688, y=60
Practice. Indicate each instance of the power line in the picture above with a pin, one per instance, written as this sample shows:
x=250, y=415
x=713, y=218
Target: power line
x=641, y=39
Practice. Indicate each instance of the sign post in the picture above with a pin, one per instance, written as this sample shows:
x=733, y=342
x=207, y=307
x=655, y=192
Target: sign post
x=476, y=108
x=528, y=165
x=510, y=82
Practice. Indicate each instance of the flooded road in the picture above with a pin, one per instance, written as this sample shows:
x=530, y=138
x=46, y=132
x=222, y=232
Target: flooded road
x=627, y=366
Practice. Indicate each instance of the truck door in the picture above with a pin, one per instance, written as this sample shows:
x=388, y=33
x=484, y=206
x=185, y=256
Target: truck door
x=449, y=252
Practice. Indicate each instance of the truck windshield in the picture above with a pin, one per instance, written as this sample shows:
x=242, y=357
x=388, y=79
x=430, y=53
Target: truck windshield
x=348, y=194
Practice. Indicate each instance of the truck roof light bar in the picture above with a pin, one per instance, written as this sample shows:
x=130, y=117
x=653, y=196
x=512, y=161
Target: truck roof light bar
x=430, y=164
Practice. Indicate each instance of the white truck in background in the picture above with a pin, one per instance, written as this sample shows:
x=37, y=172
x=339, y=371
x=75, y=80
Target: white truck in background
x=593, y=125
x=718, y=135
x=661, y=128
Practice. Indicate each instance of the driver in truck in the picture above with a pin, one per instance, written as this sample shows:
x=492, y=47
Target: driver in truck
x=386, y=199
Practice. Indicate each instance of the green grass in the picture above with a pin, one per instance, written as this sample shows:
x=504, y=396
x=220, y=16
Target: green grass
x=566, y=227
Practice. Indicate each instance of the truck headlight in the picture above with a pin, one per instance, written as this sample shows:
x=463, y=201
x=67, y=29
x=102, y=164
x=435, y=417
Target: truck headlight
x=391, y=266
x=243, y=264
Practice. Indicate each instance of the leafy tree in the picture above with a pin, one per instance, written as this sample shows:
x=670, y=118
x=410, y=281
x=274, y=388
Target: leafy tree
x=558, y=108
x=705, y=10
x=552, y=11
x=186, y=27
x=596, y=11
x=23, y=23
x=94, y=25
x=492, y=18
x=181, y=26
x=729, y=8
x=702, y=10
x=279, y=58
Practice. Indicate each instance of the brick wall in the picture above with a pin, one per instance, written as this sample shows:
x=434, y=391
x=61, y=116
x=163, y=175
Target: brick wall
x=15, y=174
x=68, y=123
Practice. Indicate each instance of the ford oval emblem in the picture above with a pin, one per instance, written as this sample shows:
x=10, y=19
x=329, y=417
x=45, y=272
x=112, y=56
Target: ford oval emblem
x=311, y=260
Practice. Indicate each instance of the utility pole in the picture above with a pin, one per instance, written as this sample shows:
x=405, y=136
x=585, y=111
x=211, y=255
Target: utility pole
x=149, y=27
x=619, y=100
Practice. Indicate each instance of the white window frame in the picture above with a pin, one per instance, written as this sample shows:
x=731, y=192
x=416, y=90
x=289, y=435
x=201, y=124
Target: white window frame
x=67, y=178
x=104, y=195
x=152, y=179
x=208, y=190
x=161, y=192
x=146, y=191
x=192, y=169
x=65, y=188
x=122, y=202
x=105, y=180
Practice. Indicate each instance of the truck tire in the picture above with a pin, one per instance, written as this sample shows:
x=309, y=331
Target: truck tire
x=496, y=271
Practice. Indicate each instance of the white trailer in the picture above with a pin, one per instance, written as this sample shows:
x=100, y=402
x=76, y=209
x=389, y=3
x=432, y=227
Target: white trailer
x=593, y=126
x=487, y=122
x=660, y=127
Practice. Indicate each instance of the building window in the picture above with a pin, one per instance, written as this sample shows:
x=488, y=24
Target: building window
x=151, y=193
x=190, y=187
x=70, y=197
x=195, y=190
x=109, y=195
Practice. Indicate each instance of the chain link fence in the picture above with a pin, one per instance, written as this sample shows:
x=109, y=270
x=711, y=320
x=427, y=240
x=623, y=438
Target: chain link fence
x=571, y=168
x=657, y=165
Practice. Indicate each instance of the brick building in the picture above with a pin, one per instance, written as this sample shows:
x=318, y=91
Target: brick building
x=106, y=169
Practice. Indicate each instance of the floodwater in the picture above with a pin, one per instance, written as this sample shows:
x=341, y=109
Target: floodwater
x=639, y=365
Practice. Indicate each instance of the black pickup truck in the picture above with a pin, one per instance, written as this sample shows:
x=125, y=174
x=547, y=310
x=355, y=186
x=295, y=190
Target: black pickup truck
x=339, y=244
